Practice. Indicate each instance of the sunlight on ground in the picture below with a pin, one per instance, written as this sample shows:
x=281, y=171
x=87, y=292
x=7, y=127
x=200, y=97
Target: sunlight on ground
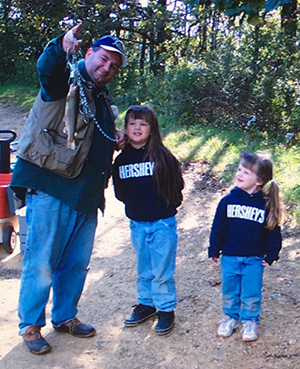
x=94, y=276
x=189, y=223
x=111, y=226
x=8, y=314
x=11, y=256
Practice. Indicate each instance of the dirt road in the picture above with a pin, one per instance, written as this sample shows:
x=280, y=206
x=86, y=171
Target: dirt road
x=110, y=293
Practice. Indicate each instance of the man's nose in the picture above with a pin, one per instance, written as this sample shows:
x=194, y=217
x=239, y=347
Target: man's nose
x=106, y=66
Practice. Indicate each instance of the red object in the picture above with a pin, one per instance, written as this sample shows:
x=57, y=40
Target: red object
x=4, y=204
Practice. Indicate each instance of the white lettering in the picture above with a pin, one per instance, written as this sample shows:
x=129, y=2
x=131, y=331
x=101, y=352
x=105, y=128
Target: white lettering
x=229, y=211
x=246, y=212
x=121, y=172
x=253, y=211
x=136, y=170
x=144, y=169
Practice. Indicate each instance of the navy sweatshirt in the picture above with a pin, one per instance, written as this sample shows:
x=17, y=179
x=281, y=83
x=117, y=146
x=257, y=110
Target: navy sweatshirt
x=239, y=228
x=134, y=185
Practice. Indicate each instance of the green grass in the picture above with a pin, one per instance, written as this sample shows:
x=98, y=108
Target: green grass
x=20, y=95
x=219, y=147
x=223, y=148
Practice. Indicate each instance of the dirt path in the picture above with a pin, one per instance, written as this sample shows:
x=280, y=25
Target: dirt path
x=110, y=292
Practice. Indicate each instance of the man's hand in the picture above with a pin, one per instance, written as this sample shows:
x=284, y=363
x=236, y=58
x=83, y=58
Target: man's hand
x=71, y=39
x=120, y=136
x=214, y=259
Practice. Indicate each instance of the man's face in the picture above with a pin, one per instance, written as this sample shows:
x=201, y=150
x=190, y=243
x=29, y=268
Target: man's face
x=102, y=65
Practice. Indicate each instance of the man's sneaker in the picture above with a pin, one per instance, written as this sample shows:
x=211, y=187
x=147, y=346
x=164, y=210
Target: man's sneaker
x=165, y=322
x=35, y=342
x=139, y=315
x=227, y=326
x=249, y=331
x=77, y=329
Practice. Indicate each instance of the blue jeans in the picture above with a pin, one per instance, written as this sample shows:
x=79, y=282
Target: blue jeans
x=58, y=250
x=155, y=245
x=242, y=279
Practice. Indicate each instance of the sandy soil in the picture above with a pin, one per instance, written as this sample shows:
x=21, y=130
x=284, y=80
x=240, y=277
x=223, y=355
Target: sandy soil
x=110, y=293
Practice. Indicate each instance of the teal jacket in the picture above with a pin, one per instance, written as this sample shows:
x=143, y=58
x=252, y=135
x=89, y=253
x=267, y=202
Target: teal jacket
x=85, y=193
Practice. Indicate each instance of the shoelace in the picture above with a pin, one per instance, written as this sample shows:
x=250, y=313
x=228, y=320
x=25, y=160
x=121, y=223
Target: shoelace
x=223, y=321
x=73, y=324
x=36, y=333
x=247, y=327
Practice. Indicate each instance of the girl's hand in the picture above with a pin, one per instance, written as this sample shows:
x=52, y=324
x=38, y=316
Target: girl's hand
x=214, y=259
x=120, y=136
x=264, y=263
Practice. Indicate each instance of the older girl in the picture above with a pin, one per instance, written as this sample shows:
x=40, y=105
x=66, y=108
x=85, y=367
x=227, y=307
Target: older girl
x=147, y=178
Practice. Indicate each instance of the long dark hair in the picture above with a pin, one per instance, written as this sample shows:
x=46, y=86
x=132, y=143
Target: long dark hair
x=263, y=168
x=167, y=172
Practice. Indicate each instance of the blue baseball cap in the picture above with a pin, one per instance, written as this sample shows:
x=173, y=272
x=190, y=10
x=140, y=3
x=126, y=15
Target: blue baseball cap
x=114, y=44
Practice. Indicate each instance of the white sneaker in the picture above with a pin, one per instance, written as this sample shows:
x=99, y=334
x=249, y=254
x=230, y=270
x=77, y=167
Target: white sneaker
x=249, y=331
x=227, y=326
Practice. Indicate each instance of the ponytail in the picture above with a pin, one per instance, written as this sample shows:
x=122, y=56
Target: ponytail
x=263, y=168
x=274, y=205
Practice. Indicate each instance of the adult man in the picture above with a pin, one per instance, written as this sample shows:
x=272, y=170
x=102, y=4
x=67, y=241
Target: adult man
x=62, y=203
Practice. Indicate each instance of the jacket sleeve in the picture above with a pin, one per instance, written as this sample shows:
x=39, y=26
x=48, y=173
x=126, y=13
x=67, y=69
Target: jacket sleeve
x=117, y=182
x=218, y=230
x=53, y=72
x=274, y=244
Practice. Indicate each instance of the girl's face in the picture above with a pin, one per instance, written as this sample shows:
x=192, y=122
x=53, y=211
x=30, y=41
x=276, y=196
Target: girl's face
x=138, y=132
x=247, y=180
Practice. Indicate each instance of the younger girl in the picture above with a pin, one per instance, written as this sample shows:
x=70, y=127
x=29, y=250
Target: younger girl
x=147, y=178
x=246, y=230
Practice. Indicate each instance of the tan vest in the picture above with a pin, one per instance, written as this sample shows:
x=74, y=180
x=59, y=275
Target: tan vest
x=44, y=143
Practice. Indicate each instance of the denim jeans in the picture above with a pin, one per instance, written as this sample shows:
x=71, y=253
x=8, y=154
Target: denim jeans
x=58, y=250
x=155, y=245
x=242, y=279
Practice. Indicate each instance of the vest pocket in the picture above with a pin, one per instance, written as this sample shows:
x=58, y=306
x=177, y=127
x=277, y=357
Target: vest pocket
x=44, y=143
x=51, y=151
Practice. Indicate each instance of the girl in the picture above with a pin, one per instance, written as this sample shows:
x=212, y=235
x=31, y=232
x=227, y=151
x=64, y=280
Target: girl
x=147, y=178
x=246, y=230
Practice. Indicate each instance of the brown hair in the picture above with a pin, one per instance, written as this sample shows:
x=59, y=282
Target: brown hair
x=167, y=173
x=263, y=168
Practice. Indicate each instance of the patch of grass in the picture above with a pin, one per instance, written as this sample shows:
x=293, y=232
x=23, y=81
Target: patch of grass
x=222, y=149
x=287, y=173
x=20, y=95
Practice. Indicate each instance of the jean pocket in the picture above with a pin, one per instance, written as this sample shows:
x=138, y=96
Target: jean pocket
x=259, y=257
x=169, y=222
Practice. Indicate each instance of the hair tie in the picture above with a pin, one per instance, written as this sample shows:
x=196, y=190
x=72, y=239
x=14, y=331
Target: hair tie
x=245, y=154
x=272, y=181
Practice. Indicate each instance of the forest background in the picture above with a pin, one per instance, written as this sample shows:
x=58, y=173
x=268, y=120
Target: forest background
x=222, y=75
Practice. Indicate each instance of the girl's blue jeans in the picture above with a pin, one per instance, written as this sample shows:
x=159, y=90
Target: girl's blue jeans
x=155, y=244
x=242, y=279
x=58, y=249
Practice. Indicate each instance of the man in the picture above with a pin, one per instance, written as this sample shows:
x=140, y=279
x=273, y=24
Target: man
x=62, y=203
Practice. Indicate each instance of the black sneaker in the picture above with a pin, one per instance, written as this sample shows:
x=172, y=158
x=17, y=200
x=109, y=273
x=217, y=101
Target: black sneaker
x=165, y=324
x=35, y=342
x=139, y=315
